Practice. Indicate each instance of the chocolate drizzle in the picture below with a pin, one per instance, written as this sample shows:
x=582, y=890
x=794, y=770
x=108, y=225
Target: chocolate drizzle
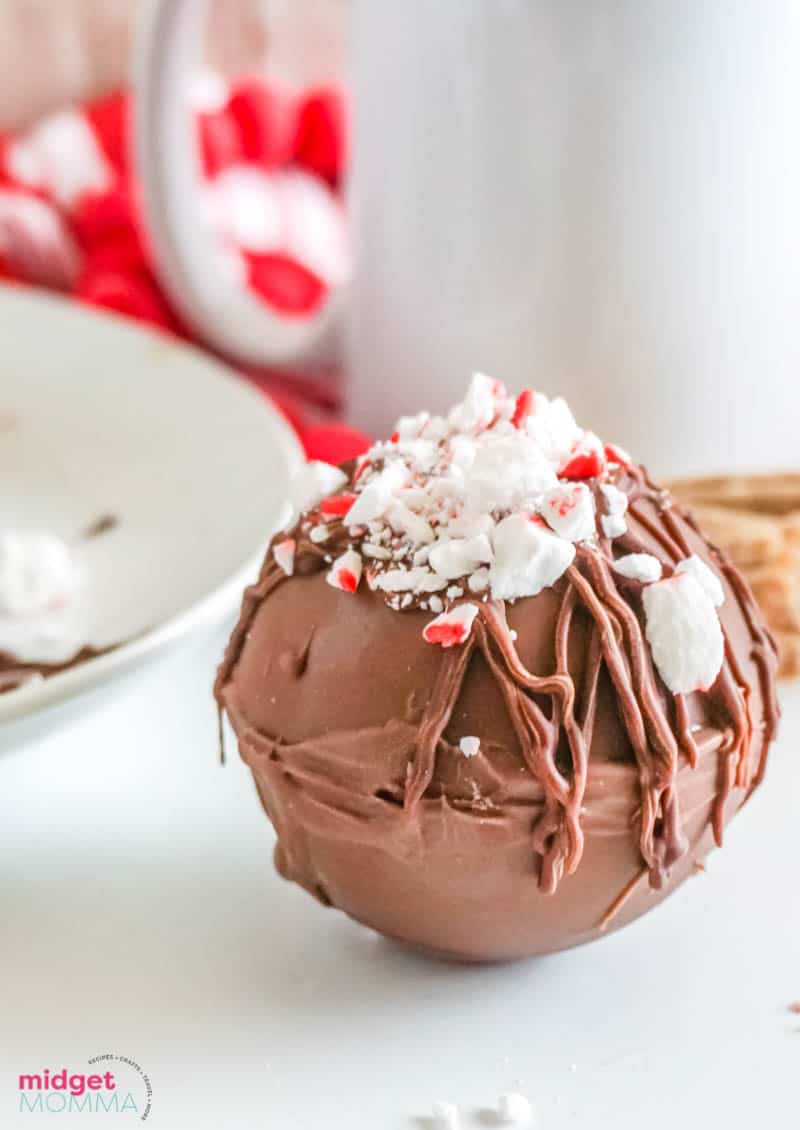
x=553, y=713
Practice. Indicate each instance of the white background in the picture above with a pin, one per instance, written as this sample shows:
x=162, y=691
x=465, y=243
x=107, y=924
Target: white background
x=141, y=915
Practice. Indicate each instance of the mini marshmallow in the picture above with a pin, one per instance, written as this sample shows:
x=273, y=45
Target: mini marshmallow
x=37, y=571
x=568, y=509
x=445, y=1116
x=316, y=481
x=528, y=558
x=283, y=553
x=470, y=746
x=514, y=1108
x=345, y=573
x=684, y=633
x=638, y=567
x=452, y=627
x=613, y=521
x=708, y=580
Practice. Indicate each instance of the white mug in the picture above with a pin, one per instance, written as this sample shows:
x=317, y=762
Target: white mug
x=599, y=198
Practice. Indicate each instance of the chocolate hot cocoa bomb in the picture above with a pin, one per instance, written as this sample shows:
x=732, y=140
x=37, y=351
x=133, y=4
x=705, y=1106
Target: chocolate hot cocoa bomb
x=497, y=692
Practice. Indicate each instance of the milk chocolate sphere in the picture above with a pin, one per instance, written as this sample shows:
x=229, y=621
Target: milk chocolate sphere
x=497, y=692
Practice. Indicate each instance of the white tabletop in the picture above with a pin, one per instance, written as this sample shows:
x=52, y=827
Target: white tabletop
x=141, y=916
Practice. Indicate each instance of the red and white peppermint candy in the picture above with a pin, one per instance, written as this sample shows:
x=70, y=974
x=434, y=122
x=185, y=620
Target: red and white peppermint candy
x=452, y=627
x=527, y=557
x=616, y=454
x=336, y=505
x=586, y=460
x=316, y=481
x=568, y=509
x=345, y=573
x=284, y=553
x=684, y=633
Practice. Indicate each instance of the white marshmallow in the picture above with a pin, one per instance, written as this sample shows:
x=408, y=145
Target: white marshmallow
x=37, y=571
x=708, y=580
x=684, y=633
x=638, y=567
x=613, y=521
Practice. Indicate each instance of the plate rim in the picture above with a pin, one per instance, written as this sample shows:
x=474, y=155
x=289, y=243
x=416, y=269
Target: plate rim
x=211, y=609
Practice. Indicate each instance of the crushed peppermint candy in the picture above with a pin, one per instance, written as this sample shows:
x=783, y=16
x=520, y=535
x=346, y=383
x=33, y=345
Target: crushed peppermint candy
x=514, y=1108
x=684, y=633
x=528, y=558
x=470, y=746
x=488, y=500
x=492, y=501
x=345, y=572
x=638, y=567
x=284, y=553
x=445, y=1115
x=451, y=627
x=316, y=481
x=568, y=510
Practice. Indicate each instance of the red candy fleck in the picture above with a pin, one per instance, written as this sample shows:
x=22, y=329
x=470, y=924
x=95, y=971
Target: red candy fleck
x=337, y=505
x=394, y=437
x=585, y=463
x=536, y=520
x=522, y=409
x=619, y=455
x=448, y=635
x=334, y=443
x=347, y=581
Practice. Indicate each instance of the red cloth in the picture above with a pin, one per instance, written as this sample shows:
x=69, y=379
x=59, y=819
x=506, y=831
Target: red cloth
x=70, y=219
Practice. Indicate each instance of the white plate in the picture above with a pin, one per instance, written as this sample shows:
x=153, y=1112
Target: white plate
x=98, y=417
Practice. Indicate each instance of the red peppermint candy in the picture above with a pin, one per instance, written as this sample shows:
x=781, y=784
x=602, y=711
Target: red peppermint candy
x=335, y=443
x=586, y=461
x=616, y=454
x=522, y=408
x=345, y=573
x=452, y=627
x=337, y=505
